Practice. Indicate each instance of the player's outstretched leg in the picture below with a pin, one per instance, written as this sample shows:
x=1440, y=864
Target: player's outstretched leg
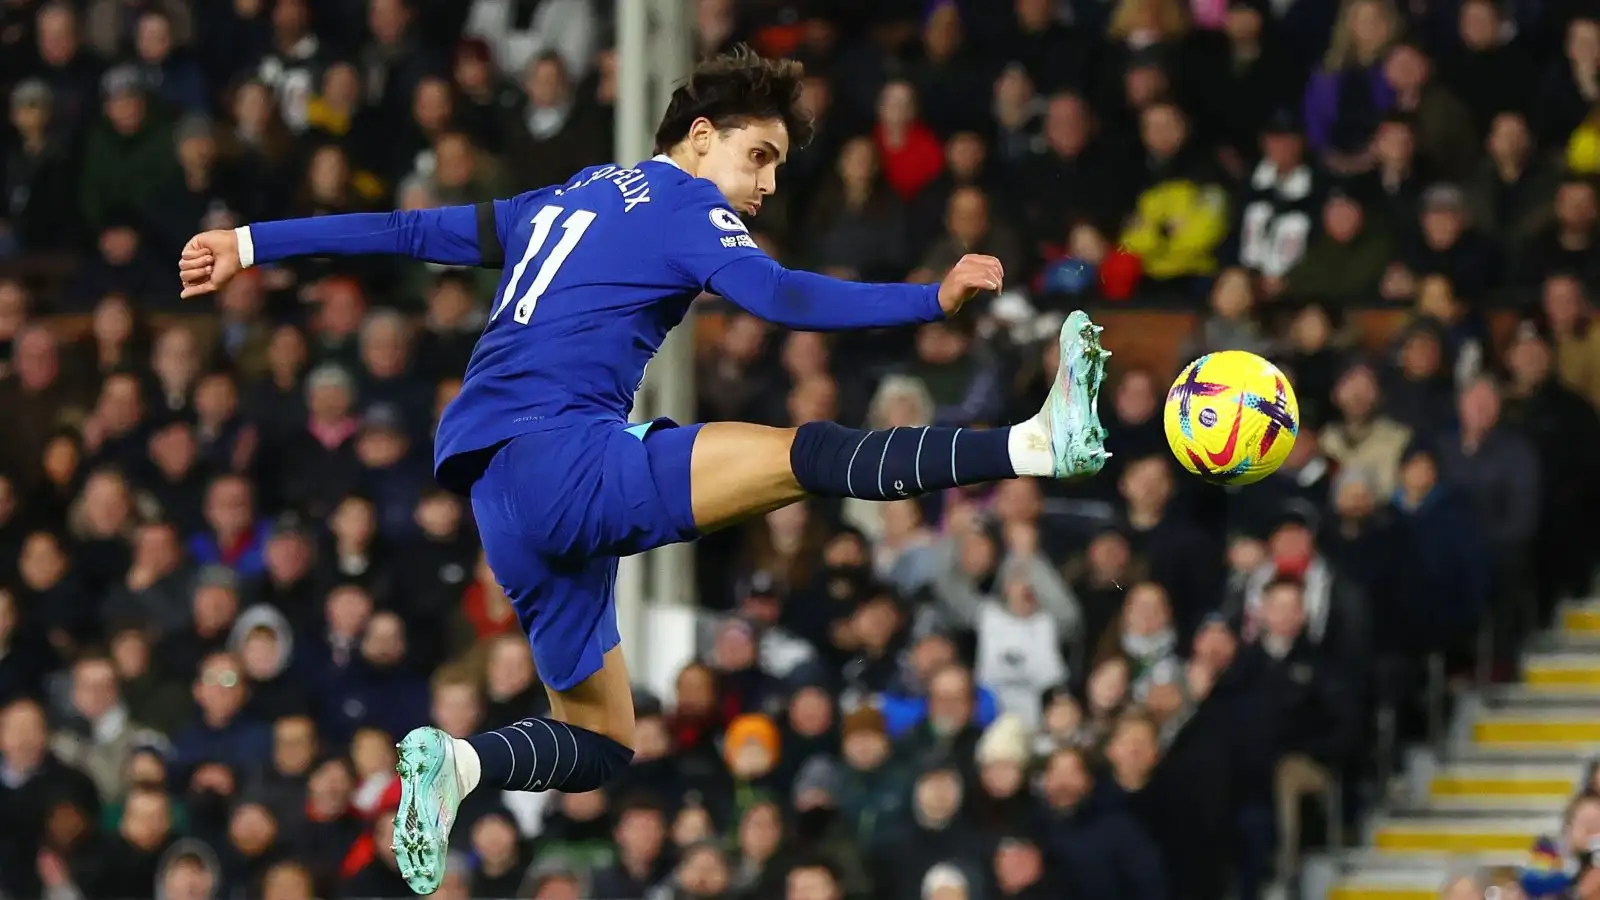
x=742, y=470
x=578, y=748
x=436, y=771
x=1064, y=440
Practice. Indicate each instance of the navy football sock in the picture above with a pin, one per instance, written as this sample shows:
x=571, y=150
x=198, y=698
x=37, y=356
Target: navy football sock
x=830, y=460
x=542, y=754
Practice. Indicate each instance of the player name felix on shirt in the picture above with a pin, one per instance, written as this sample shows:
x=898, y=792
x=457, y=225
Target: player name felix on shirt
x=633, y=185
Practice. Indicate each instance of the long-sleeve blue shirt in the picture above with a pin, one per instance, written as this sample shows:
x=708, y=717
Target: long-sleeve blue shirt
x=597, y=271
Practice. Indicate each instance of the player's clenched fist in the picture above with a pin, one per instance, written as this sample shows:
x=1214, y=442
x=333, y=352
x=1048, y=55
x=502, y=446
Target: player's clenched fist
x=971, y=274
x=208, y=261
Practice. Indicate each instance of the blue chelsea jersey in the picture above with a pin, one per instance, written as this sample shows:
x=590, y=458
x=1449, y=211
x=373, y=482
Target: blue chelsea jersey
x=597, y=271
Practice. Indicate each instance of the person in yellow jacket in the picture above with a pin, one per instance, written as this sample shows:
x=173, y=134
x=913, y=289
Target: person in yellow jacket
x=1176, y=228
x=1182, y=215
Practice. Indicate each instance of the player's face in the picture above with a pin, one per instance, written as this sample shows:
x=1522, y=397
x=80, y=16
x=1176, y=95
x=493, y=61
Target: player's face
x=742, y=162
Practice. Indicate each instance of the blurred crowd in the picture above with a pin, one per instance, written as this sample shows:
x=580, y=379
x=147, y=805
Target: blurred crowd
x=227, y=581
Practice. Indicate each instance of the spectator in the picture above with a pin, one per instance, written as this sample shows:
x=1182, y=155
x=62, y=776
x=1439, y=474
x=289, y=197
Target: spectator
x=1363, y=437
x=69, y=69
x=912, y=156
x=1490, y=73
x=34, y=779
x=1443, y=124
x=935, y=846
x=1346, y=262
x=42, y=213
x=1100, y=846
x=1513, y=185
x=222, y=741
x=1334, y=612
x=1444, y=574
x=168, y=72
x=1313, y=724
x=1181, y=216
x=128, y=159
x=1231, y=324
x=23, y=665
x=263, y=641
x=641, y=837
x=103, y=737
x=969, y=228
x=1346, y=98
x=1565, y=243
x=1557, y=421
x=1262, y=77
x=1567, y=314
x=1498, y=471
x=553, y=137
x=859, y=224
x=1077, y=174
x=1568, y=88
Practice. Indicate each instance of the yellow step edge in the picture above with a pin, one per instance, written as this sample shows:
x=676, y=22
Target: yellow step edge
x=1562, y=676
x=1426, y=840
x=1581, y=621
x=1378, y=892
x=1503, y=786
x=1515, y=731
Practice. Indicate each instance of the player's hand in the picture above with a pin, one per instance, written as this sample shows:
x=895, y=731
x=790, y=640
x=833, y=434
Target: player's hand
x=208, y=261
x=971, y=274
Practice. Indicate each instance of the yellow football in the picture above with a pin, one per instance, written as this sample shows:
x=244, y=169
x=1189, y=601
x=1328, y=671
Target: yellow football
x=1231, y=417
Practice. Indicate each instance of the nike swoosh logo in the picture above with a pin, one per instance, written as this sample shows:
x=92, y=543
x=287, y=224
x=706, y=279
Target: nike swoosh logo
x=1218, y=459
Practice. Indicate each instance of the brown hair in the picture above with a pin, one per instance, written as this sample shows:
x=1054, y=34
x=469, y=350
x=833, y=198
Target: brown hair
x=734, y=90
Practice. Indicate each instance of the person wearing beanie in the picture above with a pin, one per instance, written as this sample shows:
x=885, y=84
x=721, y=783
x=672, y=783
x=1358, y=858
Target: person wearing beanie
x=751, y=747
x=1004, y=754
x=873, y=783
x=817, y=783
x=1004, y=742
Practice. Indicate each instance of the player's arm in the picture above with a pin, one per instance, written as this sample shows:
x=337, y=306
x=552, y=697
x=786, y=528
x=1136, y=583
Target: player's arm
x=450, y=235
x=714, y=251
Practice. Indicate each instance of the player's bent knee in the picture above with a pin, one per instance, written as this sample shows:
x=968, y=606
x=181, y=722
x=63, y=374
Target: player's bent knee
x=611, y=759
x=819, y=456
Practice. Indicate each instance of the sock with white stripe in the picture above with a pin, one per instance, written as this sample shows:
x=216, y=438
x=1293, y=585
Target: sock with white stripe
x=542, y=754
x=830, y=460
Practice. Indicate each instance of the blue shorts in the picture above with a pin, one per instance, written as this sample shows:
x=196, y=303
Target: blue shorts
x=556, y=509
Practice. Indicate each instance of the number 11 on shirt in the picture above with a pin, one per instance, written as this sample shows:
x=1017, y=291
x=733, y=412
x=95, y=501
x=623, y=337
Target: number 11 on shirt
x=573, y=228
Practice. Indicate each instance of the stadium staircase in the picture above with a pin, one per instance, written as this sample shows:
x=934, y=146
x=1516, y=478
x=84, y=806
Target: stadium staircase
x=1508, y=763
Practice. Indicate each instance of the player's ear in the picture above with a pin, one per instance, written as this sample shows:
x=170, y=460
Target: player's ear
x=701, y=131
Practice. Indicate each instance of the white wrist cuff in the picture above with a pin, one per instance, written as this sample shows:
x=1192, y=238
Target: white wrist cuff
x=247, y=246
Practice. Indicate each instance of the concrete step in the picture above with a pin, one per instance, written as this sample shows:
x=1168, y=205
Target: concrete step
x=1521, y=696
x=1565, y=727
x=1419, y=884
x=1563, y=671
x=1490, y=806
x=1462, y=833
x=1581, y=618
x=1563, y=641
x=1507, y=782
x=1470, y=753
x=1365, y=861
